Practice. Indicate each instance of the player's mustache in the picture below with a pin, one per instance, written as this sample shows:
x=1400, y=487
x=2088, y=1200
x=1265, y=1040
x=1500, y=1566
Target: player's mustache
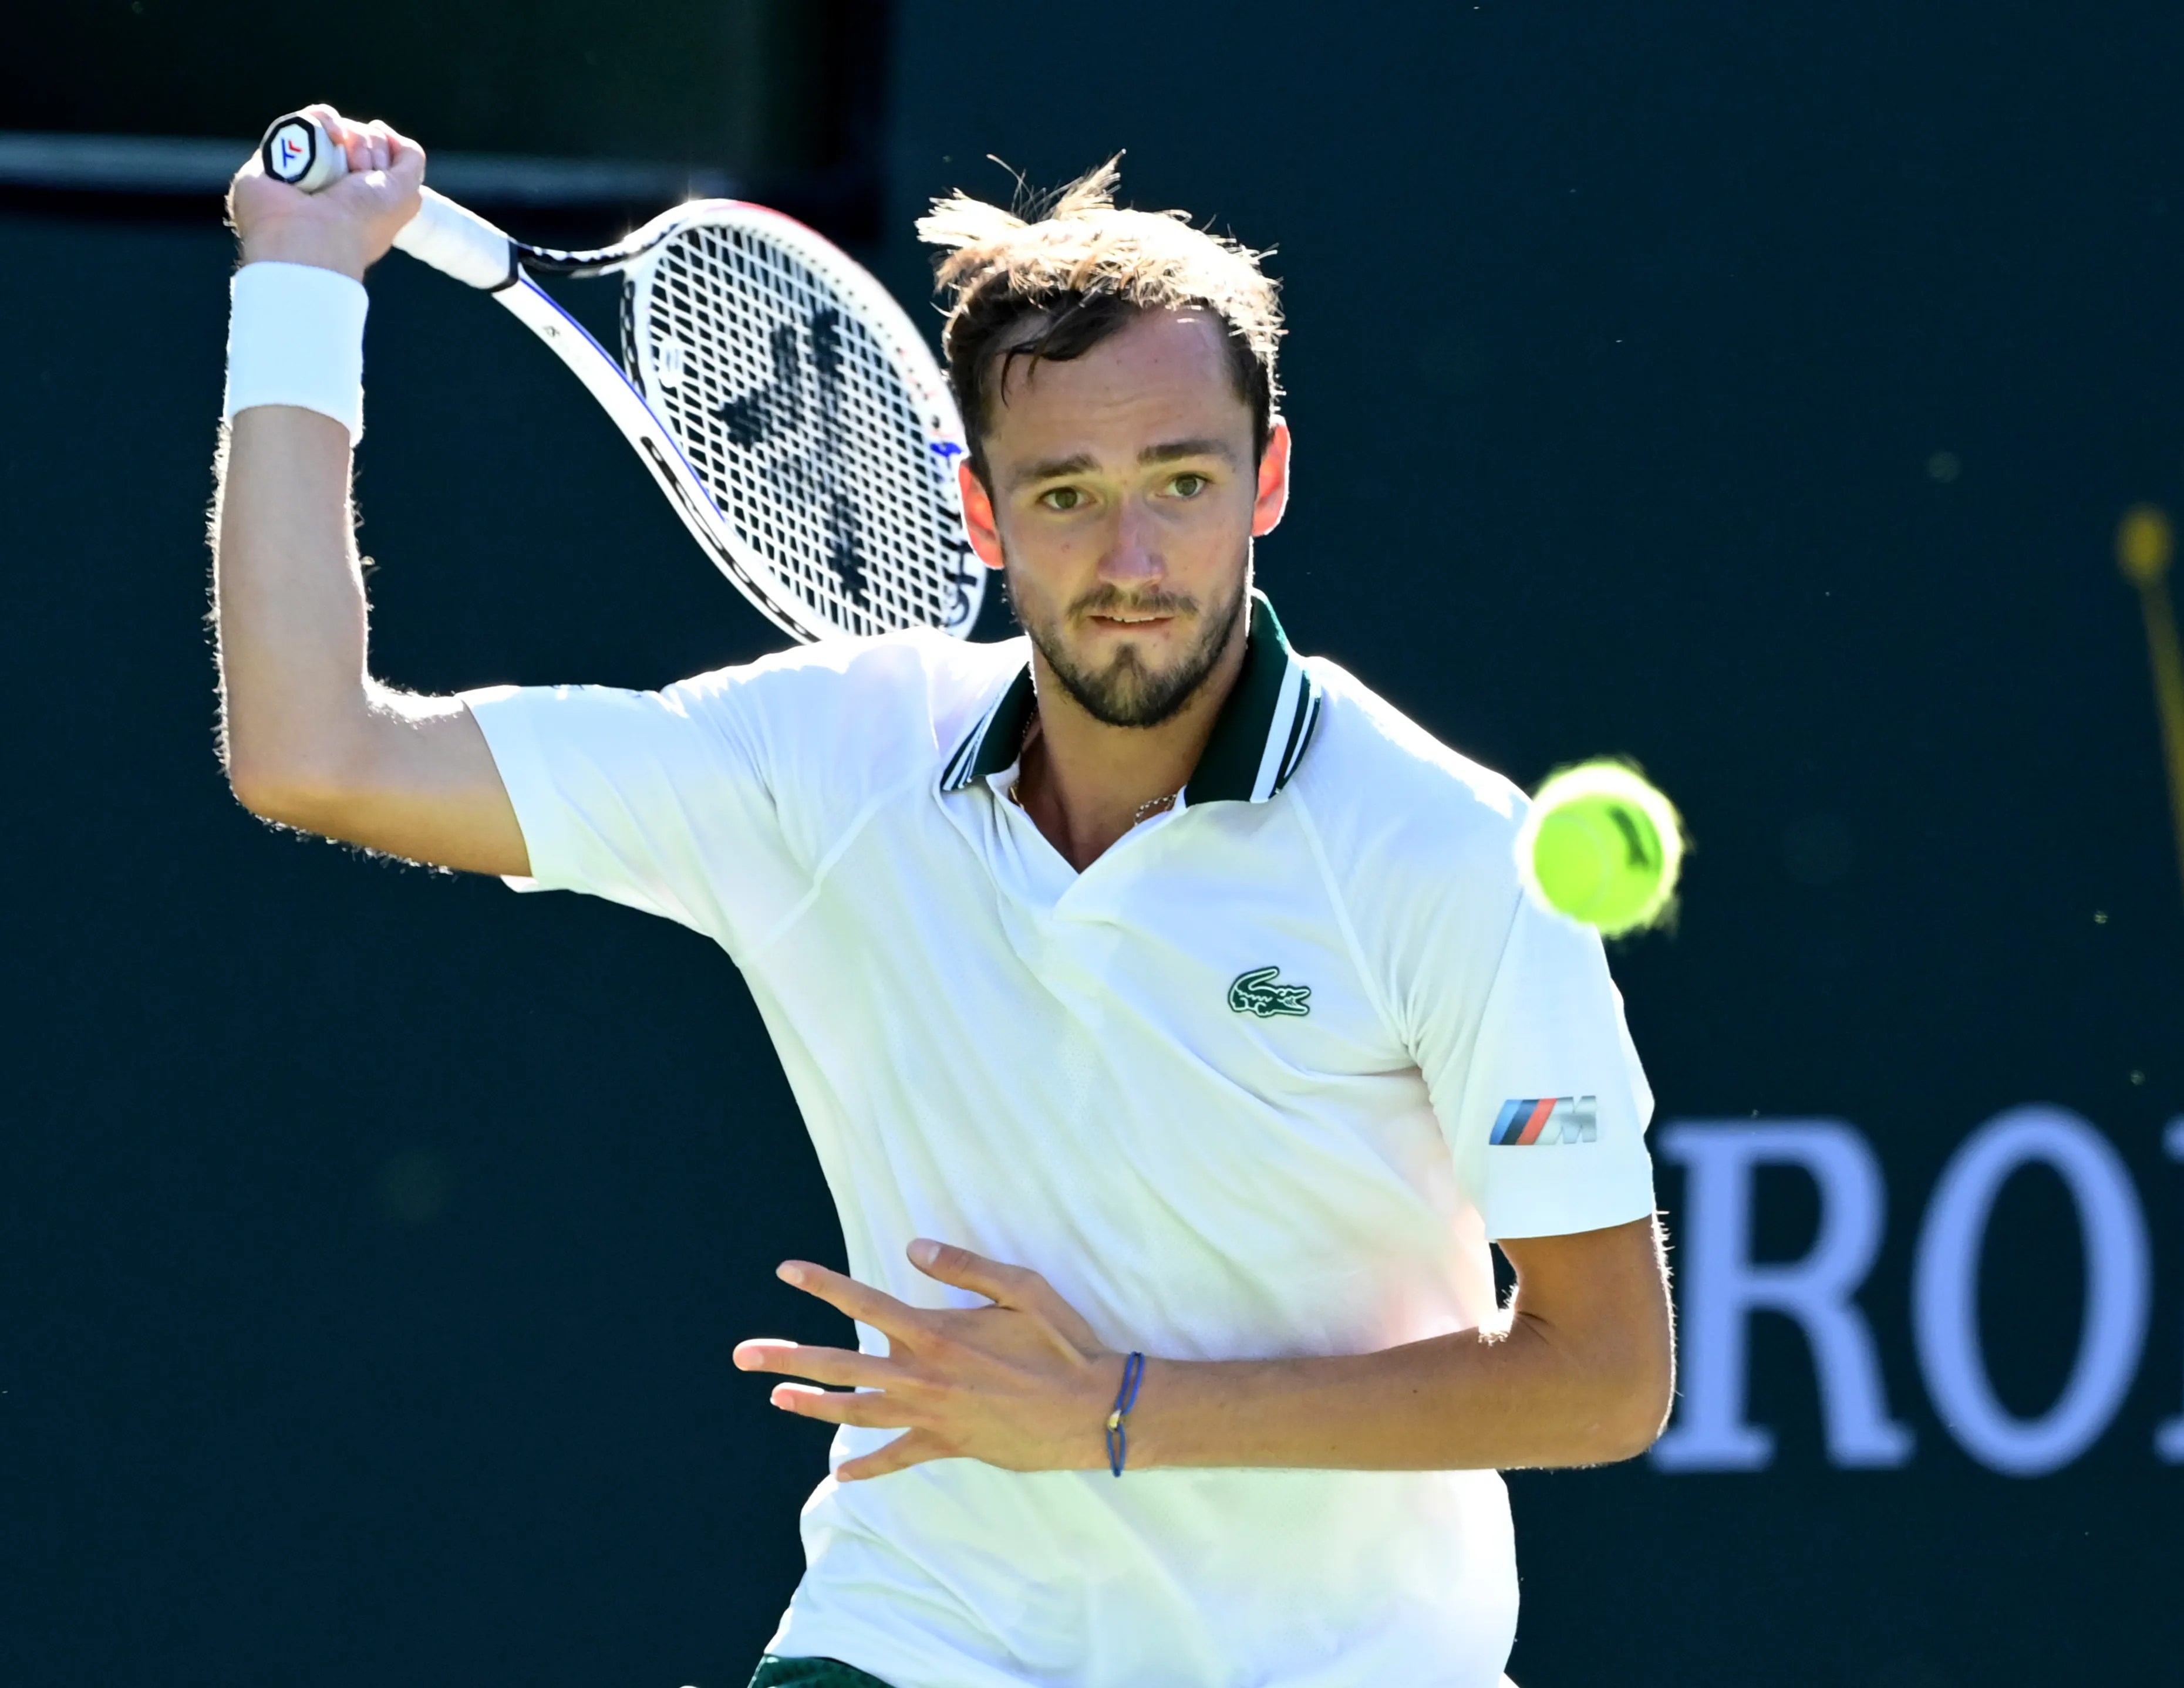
x=1113, y=600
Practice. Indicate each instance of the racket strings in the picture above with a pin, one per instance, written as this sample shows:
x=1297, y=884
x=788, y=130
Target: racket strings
x=795, y=416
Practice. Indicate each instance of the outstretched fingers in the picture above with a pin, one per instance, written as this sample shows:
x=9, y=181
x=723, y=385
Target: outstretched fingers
x=870, y=1409
x=1018, y=1289
x=844, y=1368
x=845, y=1295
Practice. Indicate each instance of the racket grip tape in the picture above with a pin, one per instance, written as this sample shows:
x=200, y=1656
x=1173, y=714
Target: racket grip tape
x=298, y=150
x=458, y=242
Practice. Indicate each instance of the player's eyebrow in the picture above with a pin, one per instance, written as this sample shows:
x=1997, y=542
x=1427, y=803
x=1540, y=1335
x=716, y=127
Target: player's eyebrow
x=1053, y=469
x=1168, y=450
x=1173, y=449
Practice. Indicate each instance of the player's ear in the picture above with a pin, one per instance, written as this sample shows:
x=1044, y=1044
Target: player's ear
x=979, y=514
x=1273, y=495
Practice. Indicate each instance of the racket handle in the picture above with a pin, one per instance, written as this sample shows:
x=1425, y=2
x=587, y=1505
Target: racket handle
x=458, y=242
x=298, y=150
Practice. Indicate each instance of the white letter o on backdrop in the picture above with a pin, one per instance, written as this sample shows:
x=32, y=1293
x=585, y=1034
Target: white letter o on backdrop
x=1945, y=1289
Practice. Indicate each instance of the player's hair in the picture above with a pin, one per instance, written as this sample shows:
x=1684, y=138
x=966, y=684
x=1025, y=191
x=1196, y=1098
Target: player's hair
x=1055, y=282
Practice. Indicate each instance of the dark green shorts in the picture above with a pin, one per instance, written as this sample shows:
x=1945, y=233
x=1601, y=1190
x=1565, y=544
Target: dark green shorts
x=810, y=1673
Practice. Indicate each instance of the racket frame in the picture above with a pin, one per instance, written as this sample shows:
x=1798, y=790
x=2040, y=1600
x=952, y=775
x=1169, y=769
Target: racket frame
x=603, y=377
x=461, y=244
x=446, y=226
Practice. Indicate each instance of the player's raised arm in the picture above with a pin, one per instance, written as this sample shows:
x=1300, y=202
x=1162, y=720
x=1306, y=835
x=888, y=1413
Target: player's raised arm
x=309, y=739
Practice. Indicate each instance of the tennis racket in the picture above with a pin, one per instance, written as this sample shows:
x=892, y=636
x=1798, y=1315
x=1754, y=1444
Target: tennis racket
x=783, y=400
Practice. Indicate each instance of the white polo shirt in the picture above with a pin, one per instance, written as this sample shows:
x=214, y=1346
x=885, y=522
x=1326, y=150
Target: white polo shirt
x=1261, y=1081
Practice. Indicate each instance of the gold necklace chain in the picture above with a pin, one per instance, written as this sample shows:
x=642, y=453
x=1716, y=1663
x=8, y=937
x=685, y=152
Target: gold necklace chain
x=1150, y=805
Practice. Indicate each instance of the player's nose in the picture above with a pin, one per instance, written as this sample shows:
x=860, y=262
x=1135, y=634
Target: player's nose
x=1133, y=555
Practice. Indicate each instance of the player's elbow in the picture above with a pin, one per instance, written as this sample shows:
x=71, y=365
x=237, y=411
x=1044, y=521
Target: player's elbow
x=310, y=794
x=269, y=796
x=1630, y=1432
x=1634, y=1409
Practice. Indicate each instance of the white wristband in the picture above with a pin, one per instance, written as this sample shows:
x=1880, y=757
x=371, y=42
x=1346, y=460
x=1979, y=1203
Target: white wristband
x=296, y=336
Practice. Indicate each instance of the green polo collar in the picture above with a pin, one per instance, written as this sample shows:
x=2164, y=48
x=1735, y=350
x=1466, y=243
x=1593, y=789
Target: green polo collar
x=1259, y=736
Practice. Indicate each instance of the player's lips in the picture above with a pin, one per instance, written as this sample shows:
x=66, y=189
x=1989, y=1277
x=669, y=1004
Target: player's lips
x=1131, y=620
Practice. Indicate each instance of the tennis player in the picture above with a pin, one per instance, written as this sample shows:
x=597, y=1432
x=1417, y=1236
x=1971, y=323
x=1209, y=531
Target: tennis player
x=1162, y=1004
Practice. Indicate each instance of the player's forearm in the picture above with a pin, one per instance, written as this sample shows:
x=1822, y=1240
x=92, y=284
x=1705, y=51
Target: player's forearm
x=1582, y=1373
x=1474, y=1400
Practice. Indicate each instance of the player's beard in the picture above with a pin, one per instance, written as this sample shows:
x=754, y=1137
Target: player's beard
x=1126, y=693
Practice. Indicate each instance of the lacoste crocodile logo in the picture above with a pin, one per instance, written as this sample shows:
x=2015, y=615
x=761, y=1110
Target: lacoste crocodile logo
x=1256, y=992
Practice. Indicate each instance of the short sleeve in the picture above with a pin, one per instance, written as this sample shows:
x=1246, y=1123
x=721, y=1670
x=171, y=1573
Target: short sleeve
x=1538, y=1087
x=657, y=800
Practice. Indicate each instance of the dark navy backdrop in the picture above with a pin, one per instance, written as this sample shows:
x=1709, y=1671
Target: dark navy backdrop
x=1753, y=393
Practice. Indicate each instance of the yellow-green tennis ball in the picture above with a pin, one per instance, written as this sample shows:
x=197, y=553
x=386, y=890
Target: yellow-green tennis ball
x=2143, y=544
x=1603, y=847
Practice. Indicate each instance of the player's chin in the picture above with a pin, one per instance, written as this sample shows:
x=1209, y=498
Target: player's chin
x=1128, y=693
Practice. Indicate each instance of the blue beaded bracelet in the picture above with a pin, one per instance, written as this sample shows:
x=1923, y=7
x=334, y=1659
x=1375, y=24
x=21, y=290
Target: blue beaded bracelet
x=1119, y=1436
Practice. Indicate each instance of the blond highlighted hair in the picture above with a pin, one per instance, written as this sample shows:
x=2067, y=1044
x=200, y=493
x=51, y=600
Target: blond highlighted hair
x=1056, y=280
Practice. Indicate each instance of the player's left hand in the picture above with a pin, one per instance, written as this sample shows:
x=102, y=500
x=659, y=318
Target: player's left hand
x=1021, y=1384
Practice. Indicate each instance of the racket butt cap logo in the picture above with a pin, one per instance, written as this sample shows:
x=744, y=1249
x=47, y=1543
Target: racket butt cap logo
x=289, y=150
x=296, y=151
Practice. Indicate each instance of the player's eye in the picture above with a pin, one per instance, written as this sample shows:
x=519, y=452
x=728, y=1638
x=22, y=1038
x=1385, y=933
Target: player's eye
x=1188, y=485
x=1062, y=498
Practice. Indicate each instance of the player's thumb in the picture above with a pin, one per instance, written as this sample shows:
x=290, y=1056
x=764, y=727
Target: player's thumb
x=965, y=1270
